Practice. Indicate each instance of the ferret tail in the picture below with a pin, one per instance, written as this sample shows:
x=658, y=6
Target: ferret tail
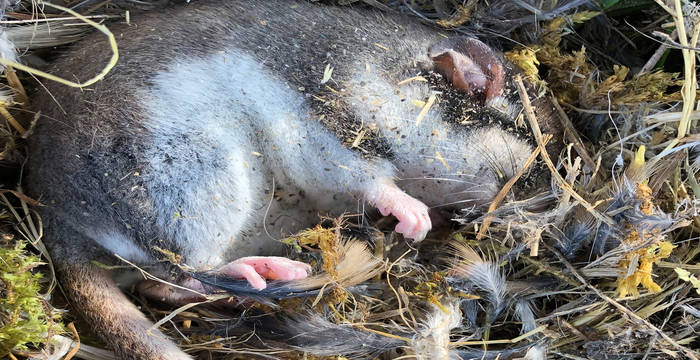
x=98, y=299
x=114, y=318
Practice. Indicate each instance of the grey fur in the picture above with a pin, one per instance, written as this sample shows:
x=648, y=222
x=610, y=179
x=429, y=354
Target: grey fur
x=208, y=139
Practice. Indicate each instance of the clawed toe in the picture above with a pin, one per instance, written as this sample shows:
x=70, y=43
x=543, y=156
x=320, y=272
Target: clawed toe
x=414, y=221
x=416, y=226
x=422, y=226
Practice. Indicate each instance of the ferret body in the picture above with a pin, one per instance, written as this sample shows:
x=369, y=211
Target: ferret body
x=214, y=136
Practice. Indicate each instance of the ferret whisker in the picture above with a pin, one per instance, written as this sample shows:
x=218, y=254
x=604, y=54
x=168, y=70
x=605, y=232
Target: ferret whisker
x=511, y=156
x=437, y=179
x=457, y=154
x=446, y=147
x=435, y=157
x=491, y=160
x=453, y=203
x=471, y=190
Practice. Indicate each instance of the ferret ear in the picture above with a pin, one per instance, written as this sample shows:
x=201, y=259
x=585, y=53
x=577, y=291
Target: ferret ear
x=469, y=64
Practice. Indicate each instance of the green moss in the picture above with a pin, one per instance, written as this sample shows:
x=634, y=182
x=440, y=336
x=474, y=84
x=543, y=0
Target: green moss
x=25, y=318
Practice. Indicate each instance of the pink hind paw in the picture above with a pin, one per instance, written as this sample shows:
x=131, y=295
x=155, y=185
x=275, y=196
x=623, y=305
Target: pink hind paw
x=414, y=221
x=256, y=269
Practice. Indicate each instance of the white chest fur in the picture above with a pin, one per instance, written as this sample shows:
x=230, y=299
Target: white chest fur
x=225, y=131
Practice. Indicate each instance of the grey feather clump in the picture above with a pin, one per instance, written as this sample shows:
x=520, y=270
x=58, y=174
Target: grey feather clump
x=627, y=209
x=499, y=17
x=432, y=342
x=481, y=354
x=576, y=233
x=433, y=338
x=695, y=158
x=470, y=311
x=505, y=16
x=485, y=276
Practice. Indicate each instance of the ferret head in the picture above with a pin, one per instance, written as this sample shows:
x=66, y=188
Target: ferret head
x=450, y=146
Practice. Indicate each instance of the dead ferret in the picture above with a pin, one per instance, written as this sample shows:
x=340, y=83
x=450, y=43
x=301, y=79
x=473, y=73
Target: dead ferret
x=227, y=125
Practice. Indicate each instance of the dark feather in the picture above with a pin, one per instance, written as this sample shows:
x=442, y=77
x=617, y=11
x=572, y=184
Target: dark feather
x=313, y=334
x=275, y=289
x=357, y=264
x=574, y=237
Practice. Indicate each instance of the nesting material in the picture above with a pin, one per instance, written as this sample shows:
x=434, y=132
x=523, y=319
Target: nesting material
x=7, y=48
x=480, y=274
x=433, y=338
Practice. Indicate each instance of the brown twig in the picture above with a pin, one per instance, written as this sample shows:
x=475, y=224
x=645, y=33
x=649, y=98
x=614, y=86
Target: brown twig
x=654, y=59
x=16, y=86
x=75, y=349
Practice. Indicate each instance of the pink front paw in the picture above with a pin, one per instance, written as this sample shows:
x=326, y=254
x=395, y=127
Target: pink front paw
x=256, y=269
x=414, y=221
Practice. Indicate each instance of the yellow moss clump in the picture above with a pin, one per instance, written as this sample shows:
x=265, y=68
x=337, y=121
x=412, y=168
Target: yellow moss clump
x=638, y=265
x=646, y=200
x=649, y=87
x=645, y=258
x=526, y=60
x=642, y=260
x=462, y=14
x=573, y=79
x=327, y=241
x=170, y=256
x=430, y=291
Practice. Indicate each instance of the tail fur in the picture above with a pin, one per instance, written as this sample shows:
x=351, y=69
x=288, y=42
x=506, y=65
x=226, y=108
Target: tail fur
x=115, y=319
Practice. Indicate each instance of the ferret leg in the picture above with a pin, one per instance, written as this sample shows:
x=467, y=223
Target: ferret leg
x=319, y=164
x=256, y=269
x=414, y=221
